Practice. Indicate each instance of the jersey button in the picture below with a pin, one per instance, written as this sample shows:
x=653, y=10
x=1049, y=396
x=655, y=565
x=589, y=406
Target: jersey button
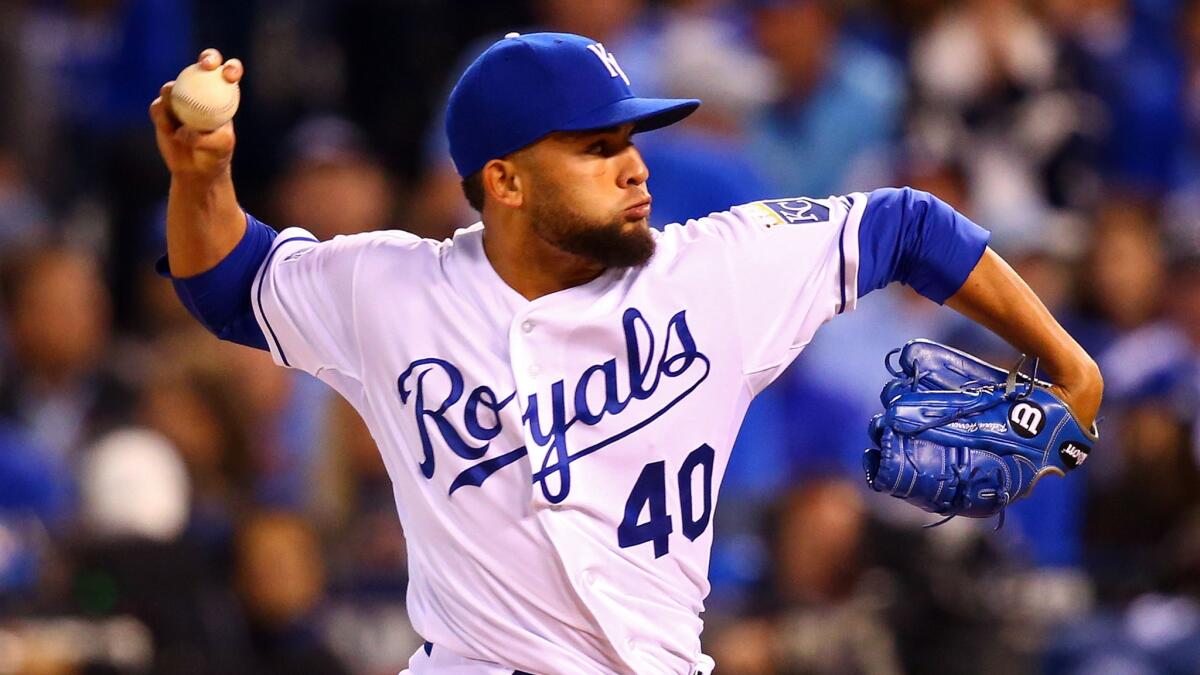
x=535, y=370
x=588, y=578
x=527, y=326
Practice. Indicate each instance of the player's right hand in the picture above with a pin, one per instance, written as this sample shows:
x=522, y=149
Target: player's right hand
x=189, y=153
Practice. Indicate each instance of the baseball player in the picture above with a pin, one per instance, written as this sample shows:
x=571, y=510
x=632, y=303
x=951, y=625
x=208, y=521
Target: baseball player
x=555, y=389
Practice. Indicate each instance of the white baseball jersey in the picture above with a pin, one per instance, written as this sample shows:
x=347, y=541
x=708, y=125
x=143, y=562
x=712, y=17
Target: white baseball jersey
x=556, y=462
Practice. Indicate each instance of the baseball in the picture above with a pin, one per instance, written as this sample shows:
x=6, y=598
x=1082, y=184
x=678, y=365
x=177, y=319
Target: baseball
x=204, y=99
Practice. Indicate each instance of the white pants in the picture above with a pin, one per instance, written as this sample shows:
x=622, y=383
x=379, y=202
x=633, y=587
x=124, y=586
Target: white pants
x=441, y=661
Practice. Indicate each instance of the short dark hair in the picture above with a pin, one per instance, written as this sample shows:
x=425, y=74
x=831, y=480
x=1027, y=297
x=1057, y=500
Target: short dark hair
x=472, y=187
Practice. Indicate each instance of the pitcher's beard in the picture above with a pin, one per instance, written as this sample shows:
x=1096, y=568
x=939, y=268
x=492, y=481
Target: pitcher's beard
x=619, y=242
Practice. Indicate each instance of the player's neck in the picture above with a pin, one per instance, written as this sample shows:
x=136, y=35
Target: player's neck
x=532, y=266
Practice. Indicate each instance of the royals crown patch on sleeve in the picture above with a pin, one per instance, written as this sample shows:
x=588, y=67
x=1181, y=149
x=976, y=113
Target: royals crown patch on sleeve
x=793, y=211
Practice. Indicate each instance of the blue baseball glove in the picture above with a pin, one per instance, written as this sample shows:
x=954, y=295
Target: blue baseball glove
x=961, y=437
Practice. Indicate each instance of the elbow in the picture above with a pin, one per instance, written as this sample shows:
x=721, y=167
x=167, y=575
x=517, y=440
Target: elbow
x=1086, y=372
x=1083, y=375
x=1093, y=378
x=1085, y=387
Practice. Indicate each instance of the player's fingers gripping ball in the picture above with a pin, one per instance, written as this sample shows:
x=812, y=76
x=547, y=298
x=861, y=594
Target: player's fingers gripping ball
x=961, y=437
x=203, y=99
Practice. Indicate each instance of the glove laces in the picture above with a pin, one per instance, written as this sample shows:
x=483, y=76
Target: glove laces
x=961, y=501
x=1011, y=393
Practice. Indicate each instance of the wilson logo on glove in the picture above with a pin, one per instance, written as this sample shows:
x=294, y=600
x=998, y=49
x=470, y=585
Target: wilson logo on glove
x=1073, y=454
x=961, y=437
x=1027, y=418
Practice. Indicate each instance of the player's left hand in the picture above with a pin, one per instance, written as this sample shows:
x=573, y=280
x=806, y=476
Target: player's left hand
x=959, y=436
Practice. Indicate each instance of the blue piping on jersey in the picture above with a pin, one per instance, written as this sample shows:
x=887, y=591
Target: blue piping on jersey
x=258, y=296
x=842, y=266
x=219, y=298
x=917, y=239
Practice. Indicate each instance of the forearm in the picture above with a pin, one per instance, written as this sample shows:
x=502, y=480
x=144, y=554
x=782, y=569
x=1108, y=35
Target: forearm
x=204, y=223
x=997, y=298
x=912, y=237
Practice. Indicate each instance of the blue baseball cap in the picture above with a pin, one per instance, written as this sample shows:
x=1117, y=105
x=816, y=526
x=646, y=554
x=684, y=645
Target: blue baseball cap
x=527, y=86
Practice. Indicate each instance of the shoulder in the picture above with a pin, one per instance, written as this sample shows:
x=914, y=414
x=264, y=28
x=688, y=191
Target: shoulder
x=352, y=260
x=751, y=229
x=295, y=243
x=758, y=218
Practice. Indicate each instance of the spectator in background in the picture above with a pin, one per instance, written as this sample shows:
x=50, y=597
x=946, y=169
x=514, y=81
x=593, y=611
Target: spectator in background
x=60, y=385
x=839, y=105
x=259, y=612
x=133, y=557
x=1158, y=631
x=1146, y=487
x=1143, y=510
x=990, y=95
x=253, y=434
x=370, y=557
x=851, y=595
x=818, y=617
x=133, y=484
x=1124, y=52
x=279, y=410
x=282, y=411
x=191, y=404
x=1125, y=269
x=1155, y=635
x=1152, y=486
x=829, y=619
x=1183, y=306
x=1125, y=289
x=280, y=579
x=331, y=183
x=1162, y=359
x=367, y=623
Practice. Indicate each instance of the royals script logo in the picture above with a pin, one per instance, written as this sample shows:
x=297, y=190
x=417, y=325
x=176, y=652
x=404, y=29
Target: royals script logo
x=662, y=372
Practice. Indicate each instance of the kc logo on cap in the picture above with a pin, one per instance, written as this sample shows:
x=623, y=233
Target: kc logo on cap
x=526, y=87
x=606, y=57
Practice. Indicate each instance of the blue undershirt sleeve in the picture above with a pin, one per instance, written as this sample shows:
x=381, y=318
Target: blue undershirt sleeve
x=917, y=239
x=220, y=297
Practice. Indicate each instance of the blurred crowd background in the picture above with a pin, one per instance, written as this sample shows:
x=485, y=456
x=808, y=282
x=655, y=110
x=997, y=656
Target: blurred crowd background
x=172, y=504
